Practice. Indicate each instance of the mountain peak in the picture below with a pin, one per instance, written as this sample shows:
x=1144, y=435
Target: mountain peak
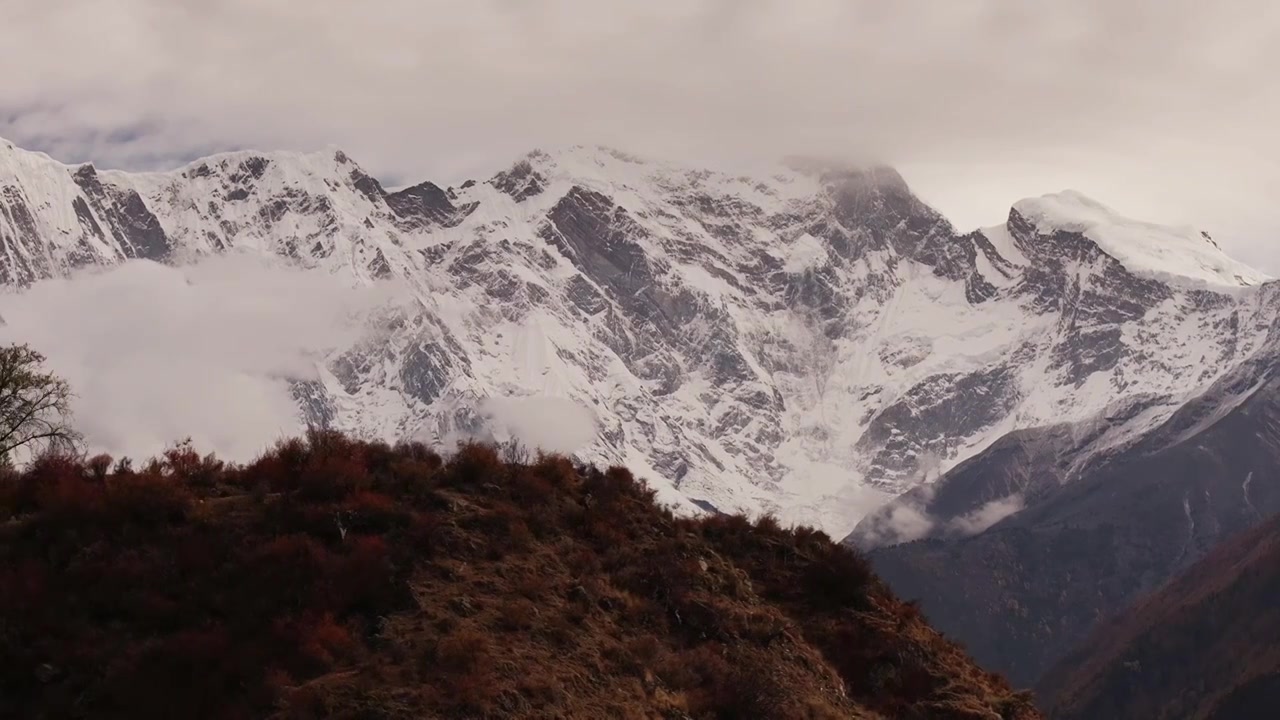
x=1163, y=252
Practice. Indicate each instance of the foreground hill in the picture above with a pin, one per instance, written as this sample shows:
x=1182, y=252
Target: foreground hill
x=332, y=578
x=1206, y=647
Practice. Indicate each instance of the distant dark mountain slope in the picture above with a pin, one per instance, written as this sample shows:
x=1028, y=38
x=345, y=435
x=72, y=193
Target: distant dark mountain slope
x=1023, y=593
x=1205, y=647
x=339, y=579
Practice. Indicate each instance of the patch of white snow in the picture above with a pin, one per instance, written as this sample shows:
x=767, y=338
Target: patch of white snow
x=1162, y=252
x=805, y=253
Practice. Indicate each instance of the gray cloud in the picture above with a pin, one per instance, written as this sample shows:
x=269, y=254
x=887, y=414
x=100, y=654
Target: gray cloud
x=989, y=514
x=545, y=423
x=156, y=353
x=907, y=519
x=1163, y=109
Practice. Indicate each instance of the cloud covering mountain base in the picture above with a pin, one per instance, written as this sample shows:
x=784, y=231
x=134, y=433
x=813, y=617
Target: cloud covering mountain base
x=157, y=353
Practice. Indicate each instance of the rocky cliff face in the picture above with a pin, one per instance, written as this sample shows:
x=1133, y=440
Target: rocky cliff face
x=809, y=341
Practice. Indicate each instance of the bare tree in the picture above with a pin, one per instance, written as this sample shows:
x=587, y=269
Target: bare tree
x=515, y=452
x=35, y=405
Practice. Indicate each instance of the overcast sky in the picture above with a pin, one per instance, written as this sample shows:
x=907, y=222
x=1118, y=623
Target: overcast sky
x=1167, y=110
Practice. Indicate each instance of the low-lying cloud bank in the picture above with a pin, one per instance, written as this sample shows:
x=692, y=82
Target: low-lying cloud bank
x=548, y=423
x=908, y=519
x=155, y=353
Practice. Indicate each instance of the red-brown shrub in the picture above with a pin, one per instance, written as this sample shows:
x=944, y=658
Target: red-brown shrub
x=55, y=483
x=502, y=529
x=369, y=512
x=472, y=694
x=185, y=675
x=838, y=579
x=768, y=525
x=739, y=685
x=26, y=585
x=99, y=466
x=279, y=469
x=532, y=583
x=463, y=651
x=517, y=615
x=324, y=642
x=271, y=472
x=288, y=572
x=366, y=580
x=378, y=457
x=147, y=499
x=419, y=452
x=413, y=479
x=530, y=487
x=607, y=489
x=476, y=464
x=200, y=553
x=331, y=443
x=330, y=477
x=423, y=527
x=604, y=529
x=557, y=470
x=183, y=463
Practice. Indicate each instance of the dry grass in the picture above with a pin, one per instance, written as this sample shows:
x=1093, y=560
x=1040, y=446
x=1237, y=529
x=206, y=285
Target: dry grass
x=333, y=578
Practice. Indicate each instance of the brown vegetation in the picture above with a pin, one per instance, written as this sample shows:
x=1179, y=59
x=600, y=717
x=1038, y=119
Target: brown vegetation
x=333, y=578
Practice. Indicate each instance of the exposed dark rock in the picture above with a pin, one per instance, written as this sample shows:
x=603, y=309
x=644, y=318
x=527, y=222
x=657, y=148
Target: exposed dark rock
x=87, y=221
x=818, y=290
x=21, y=265
x=134, y=227
x=600, y=238
x=314, y=402
x=584, y=295
x=252, y=168
x=426, y=371
x=931, y=414
x=354, y=367
x=521, y=181
x=426, y=204
x=296, y=201
x=367, y=186
x=379, y=268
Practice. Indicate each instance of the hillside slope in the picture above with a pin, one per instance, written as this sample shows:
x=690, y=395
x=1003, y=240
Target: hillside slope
x=1094, y=532
x=806, y=340
x=1205, y=647
x=340, y=579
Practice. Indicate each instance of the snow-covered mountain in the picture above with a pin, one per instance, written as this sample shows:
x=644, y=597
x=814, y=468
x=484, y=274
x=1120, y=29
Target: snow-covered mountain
x=810, y=340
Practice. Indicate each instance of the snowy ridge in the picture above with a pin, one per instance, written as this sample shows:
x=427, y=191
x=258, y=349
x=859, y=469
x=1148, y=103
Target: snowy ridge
x=807, y=340
x=1157, y=251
